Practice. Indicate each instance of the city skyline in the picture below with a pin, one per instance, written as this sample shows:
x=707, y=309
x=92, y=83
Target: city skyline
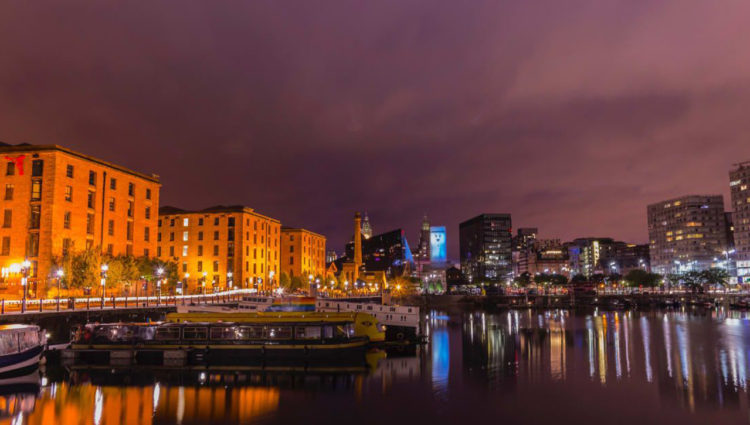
x=229, y=107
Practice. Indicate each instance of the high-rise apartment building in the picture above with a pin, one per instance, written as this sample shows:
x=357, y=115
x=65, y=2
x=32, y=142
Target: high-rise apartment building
x=485, y=245
x=739, y=182
x=57, y=201
x=221, y=247
x=302, y=252
x=686, y=233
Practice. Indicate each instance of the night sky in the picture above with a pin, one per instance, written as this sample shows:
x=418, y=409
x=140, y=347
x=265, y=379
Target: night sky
x=570, y=115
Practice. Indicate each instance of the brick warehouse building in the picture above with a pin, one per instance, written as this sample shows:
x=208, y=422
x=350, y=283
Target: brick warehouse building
x=56, y=201
x=220, y=247
x=302, y=252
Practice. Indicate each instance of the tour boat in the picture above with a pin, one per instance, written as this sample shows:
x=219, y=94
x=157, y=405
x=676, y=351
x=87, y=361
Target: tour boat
x=224, y=342
x=21, y=347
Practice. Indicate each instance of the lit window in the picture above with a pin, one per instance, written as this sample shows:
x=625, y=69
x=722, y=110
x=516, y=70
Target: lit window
x=184, y=250
x=185, y=236
x=185, y=222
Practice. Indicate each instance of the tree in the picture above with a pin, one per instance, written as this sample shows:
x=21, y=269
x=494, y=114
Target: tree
x=597, y=278
x=295, y=283
x=523, y=280
x=579, y=278
x=640, y=277
x=715, y=276
x=543, y=279
x=674, y=279
x=693, y=280
x=558, y=280
x=122, y=269
x=85, y=268
x=284, y=280
x=613, y=278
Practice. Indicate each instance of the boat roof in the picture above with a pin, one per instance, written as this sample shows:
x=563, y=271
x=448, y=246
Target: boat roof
x=17, y=327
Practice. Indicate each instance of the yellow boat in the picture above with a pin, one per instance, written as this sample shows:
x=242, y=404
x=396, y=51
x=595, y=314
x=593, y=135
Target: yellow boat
x=364, y=324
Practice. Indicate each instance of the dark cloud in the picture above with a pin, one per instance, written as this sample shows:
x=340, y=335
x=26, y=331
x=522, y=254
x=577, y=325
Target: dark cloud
x=570, y=115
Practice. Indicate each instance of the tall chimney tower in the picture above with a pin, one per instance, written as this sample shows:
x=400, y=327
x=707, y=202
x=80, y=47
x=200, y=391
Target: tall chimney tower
x=357, y=241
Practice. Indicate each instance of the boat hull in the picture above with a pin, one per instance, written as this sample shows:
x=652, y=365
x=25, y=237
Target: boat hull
x=223, y=353
x=21, y=362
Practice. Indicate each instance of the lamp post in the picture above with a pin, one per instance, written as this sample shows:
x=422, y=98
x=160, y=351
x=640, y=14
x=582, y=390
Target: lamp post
x=271, y=274
x=203, y=283
x=230, y=283
x=24, y=281
x=159, y=272
x=60, y=273
x=104, y=281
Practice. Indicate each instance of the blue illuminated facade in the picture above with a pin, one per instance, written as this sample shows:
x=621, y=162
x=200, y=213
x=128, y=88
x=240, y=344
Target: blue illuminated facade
x=438, y=250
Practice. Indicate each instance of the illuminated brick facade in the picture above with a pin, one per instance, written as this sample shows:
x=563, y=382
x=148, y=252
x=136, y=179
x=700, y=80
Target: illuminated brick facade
x=220, y=247
x=302, y=252
x=57, y=201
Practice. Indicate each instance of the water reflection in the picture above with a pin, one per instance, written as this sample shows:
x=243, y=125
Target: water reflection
x=672, y=367
x=696, y=359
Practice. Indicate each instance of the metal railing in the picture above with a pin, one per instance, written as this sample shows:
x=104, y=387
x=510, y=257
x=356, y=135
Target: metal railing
x=20, y=306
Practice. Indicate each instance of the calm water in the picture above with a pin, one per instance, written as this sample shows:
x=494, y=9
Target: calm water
x=525, y=367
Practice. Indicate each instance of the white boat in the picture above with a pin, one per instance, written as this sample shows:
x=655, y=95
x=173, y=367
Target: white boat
x=21, y=347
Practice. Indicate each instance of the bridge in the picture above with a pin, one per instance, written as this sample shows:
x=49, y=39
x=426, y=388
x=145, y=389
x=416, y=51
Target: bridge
x=15, y=307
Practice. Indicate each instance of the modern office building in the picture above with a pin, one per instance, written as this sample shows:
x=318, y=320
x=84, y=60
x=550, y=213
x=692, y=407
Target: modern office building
x=485, y=248
x=302, y=252
x=387, y=252
x=220, y=247
x=547, y=256
x=590, y=256
x=686, y=233
x=739, y=182
x=422, y=253
x=523, y=242
x=57, y=202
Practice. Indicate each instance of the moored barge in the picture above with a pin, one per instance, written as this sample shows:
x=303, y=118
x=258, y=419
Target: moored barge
x=217, y=342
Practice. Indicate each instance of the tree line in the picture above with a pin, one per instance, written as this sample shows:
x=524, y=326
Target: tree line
x=83, y=269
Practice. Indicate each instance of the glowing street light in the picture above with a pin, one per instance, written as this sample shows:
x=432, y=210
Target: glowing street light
x=104, y=281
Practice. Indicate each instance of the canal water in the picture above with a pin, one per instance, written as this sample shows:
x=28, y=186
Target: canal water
x=513, y=367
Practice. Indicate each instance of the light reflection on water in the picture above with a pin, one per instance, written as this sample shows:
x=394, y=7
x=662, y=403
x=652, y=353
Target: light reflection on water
x=667, y=367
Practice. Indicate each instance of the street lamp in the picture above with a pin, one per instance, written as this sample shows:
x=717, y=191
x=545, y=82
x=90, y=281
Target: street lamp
x=229, y=280
x=159, y=272
x=271, y=274
x=203, y=283
x=104, y=281
x=60, y=273
x=24, y=281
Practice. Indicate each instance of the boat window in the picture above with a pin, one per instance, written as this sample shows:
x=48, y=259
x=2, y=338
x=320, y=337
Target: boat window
x=8, y=343
x=223, y=332
x=146, y=333
x=194, y=333
x=327, y=332
x=168, y=333
x=307, y=332
x=279, y=332
x=250, y=332
x=341, y=331
x=28, y=339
